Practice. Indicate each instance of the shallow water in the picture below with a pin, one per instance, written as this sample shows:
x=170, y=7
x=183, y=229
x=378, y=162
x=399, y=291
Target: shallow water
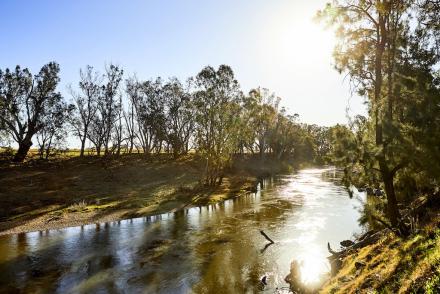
x=212, y=249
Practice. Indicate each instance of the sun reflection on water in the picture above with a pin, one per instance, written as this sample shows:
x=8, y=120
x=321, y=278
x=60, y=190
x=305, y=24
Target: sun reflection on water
x=313, y=266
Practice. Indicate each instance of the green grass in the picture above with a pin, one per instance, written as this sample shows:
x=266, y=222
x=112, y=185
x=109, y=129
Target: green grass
x=393, y=265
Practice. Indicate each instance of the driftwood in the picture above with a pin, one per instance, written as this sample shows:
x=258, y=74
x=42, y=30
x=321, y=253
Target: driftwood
x=336, y=256
x=265, y=247
x=365, y=240
x=267, y=237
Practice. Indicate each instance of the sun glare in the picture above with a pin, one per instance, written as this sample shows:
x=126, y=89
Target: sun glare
x=313, y=266
x=297, y=41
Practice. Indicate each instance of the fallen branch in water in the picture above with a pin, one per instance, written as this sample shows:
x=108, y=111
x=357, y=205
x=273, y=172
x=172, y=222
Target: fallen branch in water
x=332, y=252
x=267, y=237
x=265, y=247
x=367, y=239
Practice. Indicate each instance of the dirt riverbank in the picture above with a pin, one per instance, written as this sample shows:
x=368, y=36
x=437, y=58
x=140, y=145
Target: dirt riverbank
x=77, y=191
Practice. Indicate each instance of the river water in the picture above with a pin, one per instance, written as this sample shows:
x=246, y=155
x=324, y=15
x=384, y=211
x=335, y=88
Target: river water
x=211, y=249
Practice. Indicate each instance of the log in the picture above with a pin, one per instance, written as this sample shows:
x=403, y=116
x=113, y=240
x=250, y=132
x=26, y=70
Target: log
x=267, y=237
x=367, y=239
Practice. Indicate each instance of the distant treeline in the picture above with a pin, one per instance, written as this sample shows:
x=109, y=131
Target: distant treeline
x=208, y=113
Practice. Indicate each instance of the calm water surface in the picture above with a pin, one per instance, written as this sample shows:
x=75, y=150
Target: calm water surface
x=212, y=249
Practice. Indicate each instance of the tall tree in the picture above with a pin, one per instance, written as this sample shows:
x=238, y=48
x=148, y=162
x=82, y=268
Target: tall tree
x=377, y=51
x=265, y=114
x=86, y=104
x=110, y=105
x=25, y=100
x=179, y=116
x=217, y=101
x=53, y=132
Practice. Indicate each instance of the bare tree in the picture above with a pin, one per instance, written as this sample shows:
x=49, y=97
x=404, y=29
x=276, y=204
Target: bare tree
x=86, y=102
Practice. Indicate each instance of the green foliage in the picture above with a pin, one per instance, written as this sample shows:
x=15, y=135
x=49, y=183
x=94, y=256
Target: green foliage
x=27, y=104
x=388, y=49
x=217, y=111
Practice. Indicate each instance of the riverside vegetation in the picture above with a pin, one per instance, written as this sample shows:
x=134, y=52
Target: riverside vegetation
x=390, y=51
x=155, y=146
x=210, y=132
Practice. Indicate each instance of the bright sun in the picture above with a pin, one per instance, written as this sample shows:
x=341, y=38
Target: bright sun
x=296, y=41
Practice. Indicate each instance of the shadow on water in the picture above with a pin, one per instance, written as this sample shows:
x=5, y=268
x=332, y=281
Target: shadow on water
x=216, y=248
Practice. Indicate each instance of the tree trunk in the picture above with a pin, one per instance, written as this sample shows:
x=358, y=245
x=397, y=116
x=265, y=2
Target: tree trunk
x=23, y=149
x=392, y=210
x=83, y=145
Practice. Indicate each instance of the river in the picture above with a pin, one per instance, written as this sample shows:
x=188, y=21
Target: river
x=212, y=249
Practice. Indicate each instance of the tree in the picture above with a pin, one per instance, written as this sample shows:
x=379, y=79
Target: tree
x=86, y=104
x=264, y=117
x=179, y=116
x=25, y=101
x=286, y=136
x=53, y=131
x=110, y=105
x=149, y=108
x=378, y=50
x=217, y=104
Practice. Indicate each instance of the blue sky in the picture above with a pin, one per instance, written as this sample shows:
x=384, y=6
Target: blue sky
x=273, y=44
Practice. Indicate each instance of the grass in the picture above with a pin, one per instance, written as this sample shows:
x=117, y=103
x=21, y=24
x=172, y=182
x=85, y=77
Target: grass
x=393, y=265
x=70, y=191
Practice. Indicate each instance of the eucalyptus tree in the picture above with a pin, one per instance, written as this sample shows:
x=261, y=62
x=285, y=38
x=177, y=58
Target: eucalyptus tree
x=179, y=116
x=286, y=135
x=149, y=111
x=154, y=117
x=264, y=117
x=110, y=104
x=25, y=100
x=217, y=102
x=53, y=133
x=130, y=125
x=86, y=104
x=136, y=98
x=96, y=132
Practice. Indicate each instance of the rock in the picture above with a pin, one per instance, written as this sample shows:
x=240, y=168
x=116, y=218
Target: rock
x=359, y=264
x=347, y=243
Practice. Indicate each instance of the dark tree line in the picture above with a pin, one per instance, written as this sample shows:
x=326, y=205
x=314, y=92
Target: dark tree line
x=208, y=113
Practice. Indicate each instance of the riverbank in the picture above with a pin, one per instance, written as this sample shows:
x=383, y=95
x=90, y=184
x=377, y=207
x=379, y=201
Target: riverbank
x=77, y=191
x=394, y=264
